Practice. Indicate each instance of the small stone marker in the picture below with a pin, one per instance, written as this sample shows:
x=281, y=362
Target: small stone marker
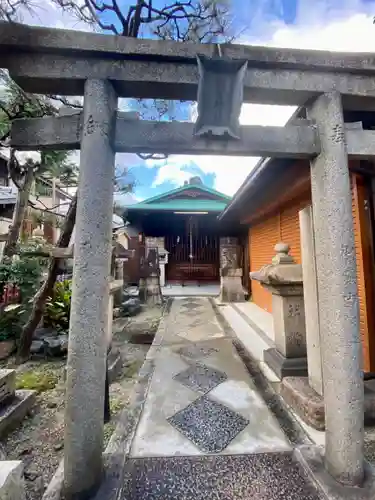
x=13, y=404
x=7, y=385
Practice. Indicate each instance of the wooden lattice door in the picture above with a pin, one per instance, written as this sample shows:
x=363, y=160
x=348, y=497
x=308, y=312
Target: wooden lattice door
x=193, y=254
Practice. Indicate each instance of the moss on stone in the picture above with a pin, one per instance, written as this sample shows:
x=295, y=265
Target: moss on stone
x=37, y=381
x=132, y=369
x=108, y=431
x=116, y=405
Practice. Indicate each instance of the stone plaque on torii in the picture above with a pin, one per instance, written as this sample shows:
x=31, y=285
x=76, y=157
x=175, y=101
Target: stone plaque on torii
x=219, y=97
x=103, y=68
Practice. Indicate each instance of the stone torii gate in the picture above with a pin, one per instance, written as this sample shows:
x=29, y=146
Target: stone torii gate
x=103, y=68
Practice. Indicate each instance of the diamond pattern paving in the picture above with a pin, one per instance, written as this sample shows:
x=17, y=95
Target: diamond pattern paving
x=208, y=424
x=200, y=378
x=190, y=306
x=268, y=476
x=196, y=351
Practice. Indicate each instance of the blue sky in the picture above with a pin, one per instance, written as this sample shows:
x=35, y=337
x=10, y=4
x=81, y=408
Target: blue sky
x=320, y=24
x=316, y=24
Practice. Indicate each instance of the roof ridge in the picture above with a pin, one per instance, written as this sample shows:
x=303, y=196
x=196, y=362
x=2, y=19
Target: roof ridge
x=181, y=189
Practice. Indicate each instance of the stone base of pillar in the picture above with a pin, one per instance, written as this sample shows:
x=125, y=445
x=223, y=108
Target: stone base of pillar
x=153, y=291
x=306, y=402
x=309, y=405
x=231, y=289
x=285, y=367
x=312, y=461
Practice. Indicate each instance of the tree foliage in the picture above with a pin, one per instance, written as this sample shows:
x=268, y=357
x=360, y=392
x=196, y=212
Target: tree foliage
x=14, y=104
x=25, y=273
x=25, y=168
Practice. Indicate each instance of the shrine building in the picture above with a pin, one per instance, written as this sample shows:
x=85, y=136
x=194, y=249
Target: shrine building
x=183, y=224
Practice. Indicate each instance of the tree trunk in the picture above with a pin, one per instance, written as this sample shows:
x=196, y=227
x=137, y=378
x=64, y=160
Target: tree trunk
x=46, y=289
x=18, y=215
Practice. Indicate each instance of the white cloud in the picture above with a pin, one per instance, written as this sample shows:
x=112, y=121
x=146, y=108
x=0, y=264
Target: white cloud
x=171, y=172
x=47, y=13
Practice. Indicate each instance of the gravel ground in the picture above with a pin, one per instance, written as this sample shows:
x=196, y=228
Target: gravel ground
x=38, y=441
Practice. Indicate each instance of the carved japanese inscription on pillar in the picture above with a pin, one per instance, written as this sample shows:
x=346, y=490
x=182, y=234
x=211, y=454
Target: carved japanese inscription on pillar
x=220, y=96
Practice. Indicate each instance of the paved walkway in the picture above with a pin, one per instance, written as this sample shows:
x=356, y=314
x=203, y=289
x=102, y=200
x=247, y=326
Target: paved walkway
x=205, y=432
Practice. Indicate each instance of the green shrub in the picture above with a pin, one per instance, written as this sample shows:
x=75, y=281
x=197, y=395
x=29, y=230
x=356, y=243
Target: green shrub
x=10, y=321
x=24, y=272
x=57, y=311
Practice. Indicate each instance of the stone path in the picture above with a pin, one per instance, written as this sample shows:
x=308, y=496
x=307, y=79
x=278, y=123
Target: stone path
x=205, y=432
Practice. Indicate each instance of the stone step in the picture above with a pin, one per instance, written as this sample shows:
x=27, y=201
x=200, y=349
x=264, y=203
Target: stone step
x=15, y=410
x=7, y=385
x=246, y=333
x=262, y=334
x=254, y=343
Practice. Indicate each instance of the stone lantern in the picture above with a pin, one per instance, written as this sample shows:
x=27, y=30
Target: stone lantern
x=220, y=96
x=283, y=278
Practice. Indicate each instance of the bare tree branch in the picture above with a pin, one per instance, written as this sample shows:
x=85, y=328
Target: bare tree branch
x=9, y=9
x=195, y=20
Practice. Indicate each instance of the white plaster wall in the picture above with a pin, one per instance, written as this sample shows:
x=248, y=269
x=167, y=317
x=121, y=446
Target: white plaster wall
x=123, y=239
x=4, y=227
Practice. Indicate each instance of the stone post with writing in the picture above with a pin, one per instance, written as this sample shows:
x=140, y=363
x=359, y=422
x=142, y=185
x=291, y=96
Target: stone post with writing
x=88, y=329
x=337, y=293
x=283, y=278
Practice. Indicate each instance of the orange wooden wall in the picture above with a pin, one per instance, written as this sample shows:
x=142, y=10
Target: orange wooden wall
x=365, y=268
x=284, y=226
x=281, y=226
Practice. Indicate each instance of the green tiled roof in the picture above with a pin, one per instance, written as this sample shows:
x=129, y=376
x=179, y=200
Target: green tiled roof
x=188, y=187
x=181, y=205
x=184, y=202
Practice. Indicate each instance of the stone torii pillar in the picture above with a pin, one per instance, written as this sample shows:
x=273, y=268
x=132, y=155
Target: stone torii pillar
x=338, y=296
x=86, y=365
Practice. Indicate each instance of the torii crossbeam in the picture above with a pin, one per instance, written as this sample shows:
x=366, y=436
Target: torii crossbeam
x=105, y=67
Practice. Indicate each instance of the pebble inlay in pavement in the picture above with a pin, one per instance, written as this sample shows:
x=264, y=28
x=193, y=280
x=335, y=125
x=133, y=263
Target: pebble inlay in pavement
x=208, y=424
x=200, y=378
x=262, y=476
